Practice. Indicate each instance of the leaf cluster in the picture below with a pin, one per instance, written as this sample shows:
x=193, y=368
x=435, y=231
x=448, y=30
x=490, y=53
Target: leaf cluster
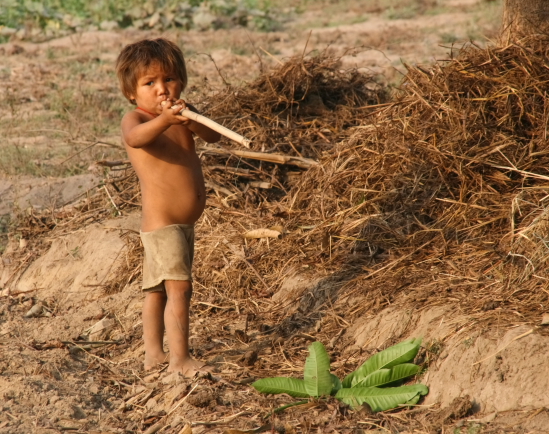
x=60, y=16
x=377, y=382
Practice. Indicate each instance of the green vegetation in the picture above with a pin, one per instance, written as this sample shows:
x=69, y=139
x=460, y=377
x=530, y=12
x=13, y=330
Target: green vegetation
x=33, y=19
x=369, y=384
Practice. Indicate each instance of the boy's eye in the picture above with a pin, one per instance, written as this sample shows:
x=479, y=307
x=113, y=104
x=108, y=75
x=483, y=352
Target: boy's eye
x=150, y=83
x=169, y=79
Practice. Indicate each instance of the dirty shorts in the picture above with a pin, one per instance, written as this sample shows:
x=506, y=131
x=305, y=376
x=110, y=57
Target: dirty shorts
x=169, y=253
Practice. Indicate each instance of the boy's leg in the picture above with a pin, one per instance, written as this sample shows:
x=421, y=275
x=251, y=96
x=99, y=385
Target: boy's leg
x=153, y=328
x=176, y=318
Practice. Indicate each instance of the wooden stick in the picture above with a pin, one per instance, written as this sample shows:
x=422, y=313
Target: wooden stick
x=216, y=127
x=304, y=163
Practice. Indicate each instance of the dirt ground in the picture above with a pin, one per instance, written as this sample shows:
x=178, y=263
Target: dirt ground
x=72, y=353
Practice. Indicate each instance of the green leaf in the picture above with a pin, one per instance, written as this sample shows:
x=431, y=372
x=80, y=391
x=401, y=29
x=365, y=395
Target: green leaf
x=414, y=400
x=336, y=384
x=382, y=399
x=348, y=380
x=400, y=353
x=385, y=377
x=318, y=380
x=291, y=386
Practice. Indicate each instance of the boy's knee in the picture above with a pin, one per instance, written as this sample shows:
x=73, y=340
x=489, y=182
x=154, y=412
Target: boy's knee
x=156, y=295
x=179, y=288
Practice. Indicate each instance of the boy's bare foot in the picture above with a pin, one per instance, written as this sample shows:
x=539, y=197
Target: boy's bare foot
x=152, y=361
x=189, y=367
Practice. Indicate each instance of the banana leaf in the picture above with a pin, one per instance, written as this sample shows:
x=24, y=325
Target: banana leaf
x=318, y=380
x=380, y=399
x=403, y=352
x=387, y=377
x=292, y=386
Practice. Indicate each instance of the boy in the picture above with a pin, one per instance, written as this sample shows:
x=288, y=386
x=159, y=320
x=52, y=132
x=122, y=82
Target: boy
x=160, y=145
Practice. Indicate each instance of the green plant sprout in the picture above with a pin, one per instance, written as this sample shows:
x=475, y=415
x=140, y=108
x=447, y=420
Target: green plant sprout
x=377, y=382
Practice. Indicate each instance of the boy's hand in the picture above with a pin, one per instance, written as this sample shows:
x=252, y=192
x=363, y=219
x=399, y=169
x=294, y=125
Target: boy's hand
x=171, y=110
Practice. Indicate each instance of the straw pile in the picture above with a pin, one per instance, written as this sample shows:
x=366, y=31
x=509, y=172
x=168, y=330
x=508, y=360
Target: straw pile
x=302, y=106
x=449, y=183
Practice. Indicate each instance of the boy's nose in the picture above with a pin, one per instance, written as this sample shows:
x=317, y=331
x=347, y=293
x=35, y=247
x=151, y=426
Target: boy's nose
x=162, y=89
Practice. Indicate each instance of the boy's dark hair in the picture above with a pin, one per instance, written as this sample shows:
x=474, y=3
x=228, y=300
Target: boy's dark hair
x=136, y=57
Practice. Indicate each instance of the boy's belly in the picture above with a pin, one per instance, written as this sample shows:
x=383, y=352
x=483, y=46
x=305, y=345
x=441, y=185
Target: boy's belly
x=172, y=197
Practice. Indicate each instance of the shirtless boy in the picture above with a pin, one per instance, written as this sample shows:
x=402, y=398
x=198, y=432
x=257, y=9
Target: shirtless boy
x=160, y=145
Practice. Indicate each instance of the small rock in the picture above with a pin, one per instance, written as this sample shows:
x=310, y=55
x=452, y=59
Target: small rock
x=34, y=311
x=249, y=358
x=173, y=378
x=94, y=389
x=7, y=31
x=108, y=25
x=203, y=19
x=20, y=34
x=545, y=319
x=77, y=412
x=202, y=398
x=155, y=18
x=101, y=329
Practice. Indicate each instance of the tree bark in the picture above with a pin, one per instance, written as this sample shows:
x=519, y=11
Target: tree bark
x=525, y=18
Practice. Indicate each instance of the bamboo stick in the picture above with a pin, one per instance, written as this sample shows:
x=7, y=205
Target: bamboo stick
x=304, y=163
x=216, y=127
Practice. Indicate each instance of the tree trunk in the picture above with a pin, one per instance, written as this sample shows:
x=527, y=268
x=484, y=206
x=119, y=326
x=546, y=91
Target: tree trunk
x=524, y=18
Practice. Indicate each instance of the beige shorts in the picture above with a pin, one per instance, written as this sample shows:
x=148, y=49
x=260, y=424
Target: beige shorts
x=169, y=253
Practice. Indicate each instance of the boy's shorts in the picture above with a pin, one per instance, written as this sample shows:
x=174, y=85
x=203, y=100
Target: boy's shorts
x=169, y=253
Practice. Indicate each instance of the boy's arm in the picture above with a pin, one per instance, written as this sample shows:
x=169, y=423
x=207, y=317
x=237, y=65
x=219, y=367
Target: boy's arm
x=138, y=134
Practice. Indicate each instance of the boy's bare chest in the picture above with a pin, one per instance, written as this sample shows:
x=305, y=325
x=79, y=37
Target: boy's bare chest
x=175, y=143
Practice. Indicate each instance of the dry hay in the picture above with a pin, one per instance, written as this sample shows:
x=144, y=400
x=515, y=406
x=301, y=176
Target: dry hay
x=449, y=183
x=303, y=106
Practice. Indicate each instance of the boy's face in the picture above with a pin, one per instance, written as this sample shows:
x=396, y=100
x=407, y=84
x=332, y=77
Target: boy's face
x=155, y=85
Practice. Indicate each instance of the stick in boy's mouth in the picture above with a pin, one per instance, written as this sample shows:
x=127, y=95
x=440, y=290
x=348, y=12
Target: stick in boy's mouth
x=160, y=144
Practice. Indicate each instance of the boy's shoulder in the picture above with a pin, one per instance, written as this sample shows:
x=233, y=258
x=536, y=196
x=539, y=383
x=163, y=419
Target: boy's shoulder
x=134, y=116
x=132, y=113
